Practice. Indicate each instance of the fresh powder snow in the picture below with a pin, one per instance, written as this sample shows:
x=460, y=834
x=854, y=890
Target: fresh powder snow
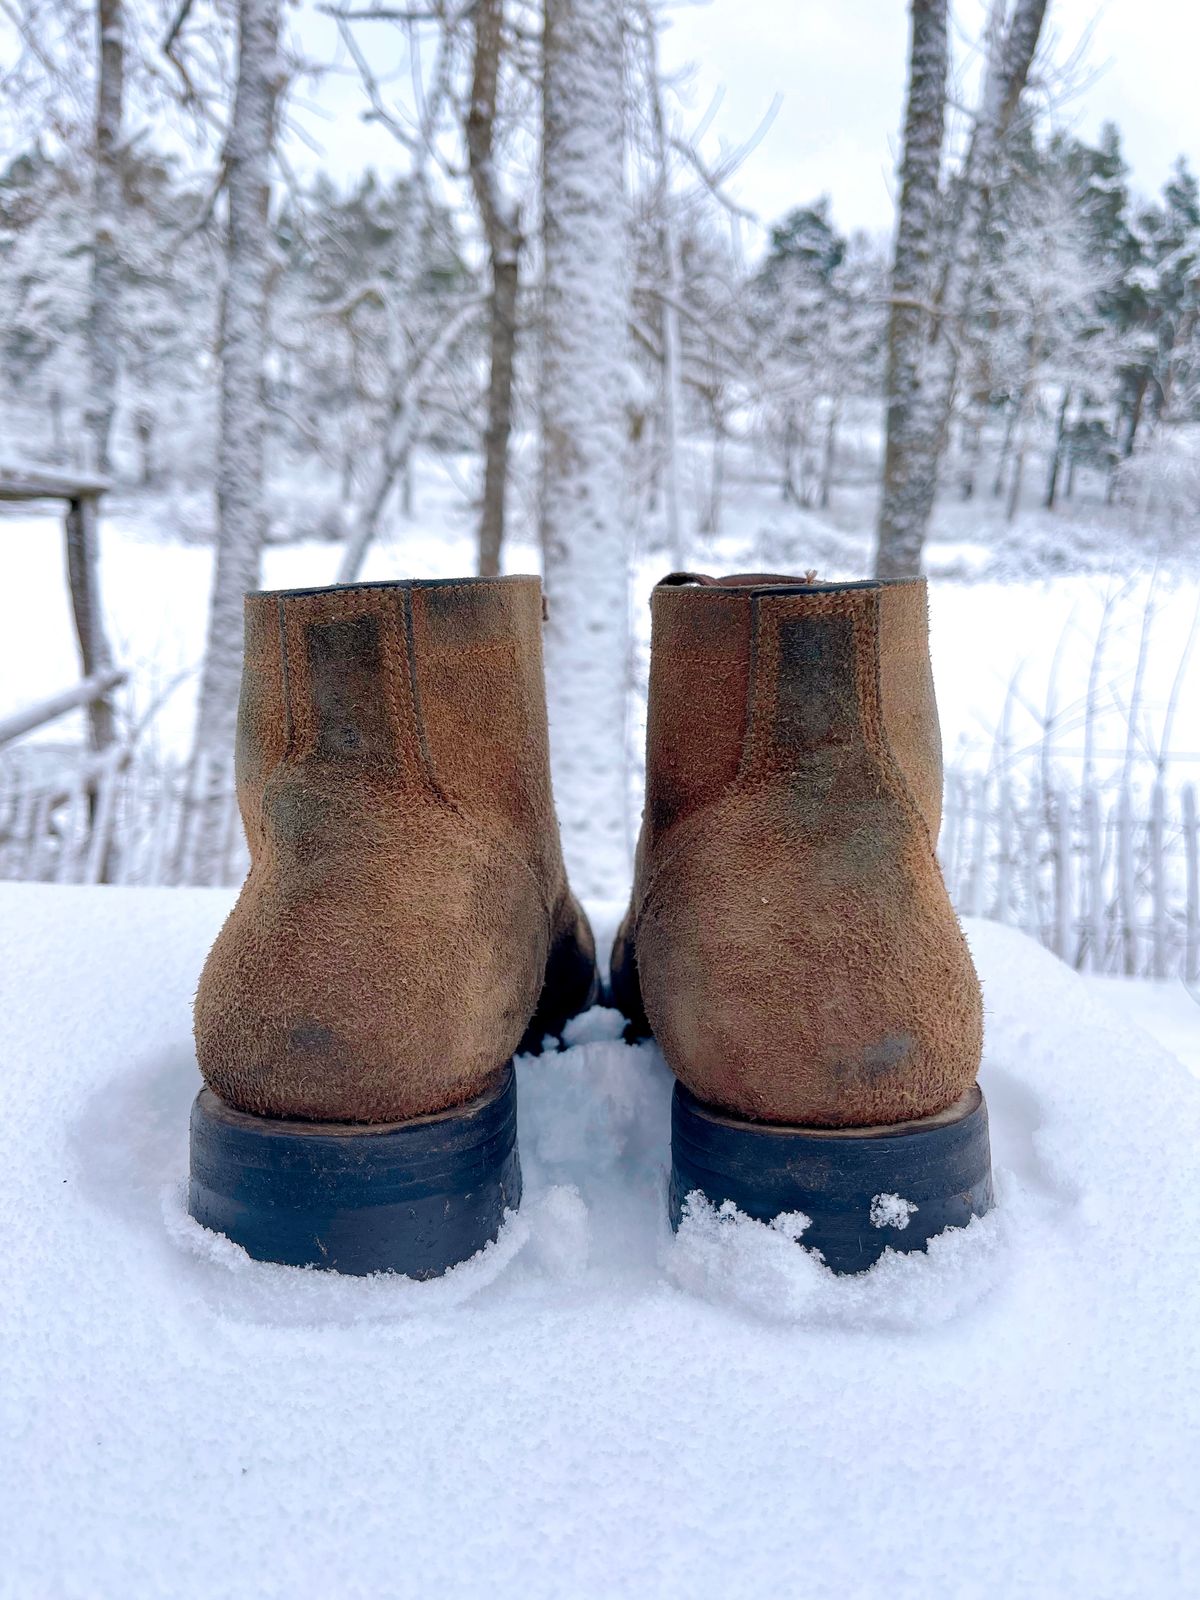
x=591, y=1406
x=891, y=1211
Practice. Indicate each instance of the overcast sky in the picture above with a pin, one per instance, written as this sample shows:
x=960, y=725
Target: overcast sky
x=839, y=66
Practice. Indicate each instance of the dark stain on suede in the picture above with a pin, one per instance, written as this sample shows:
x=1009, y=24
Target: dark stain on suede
x=249, y=740
x=816, y=704
x=707, y=629
x=296, y=813
x=314, y=1039
x=346, y=676
x=810, y=792
x=888, y=1055
x=862, y=852
x=467, y=615
x=390, y=942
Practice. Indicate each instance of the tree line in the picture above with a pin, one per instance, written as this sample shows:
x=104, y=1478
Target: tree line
x=560, y=257
x=1079, y=340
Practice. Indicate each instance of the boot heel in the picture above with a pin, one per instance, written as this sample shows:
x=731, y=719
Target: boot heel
x=411, y=1197
x=865, y=1189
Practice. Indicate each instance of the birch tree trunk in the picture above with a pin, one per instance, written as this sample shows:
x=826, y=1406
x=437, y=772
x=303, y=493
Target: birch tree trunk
x=908, y=449
x=829, y=453
x=584, y=527
x=501, y=226
x=915, y=456
x=102, y=333
x=668, y=245
x=240, y=450
x=1056, y=459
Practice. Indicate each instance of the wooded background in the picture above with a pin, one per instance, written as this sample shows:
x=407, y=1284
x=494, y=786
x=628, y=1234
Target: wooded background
x=558, y=287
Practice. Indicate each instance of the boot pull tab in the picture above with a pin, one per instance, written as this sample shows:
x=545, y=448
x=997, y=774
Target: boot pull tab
x=738, y=580
x=679, y=580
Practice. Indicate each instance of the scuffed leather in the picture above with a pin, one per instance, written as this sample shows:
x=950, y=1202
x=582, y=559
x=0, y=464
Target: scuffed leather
x=407, y=910
x=790, y=941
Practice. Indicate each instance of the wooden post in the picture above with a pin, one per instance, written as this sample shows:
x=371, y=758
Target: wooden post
x=95, y=865
x=1127, y=884
x=1006, y=851
x=1063, y=888
x=1191, y=845
x=978, y=902
x=83, y=574
x=1093, y=844
x=1158, y=878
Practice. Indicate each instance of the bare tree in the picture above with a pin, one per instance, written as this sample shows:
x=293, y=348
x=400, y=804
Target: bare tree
x=412, y=361
x=584, y=431
x=102, y=330
x=669, y=267
x=901, y=524
x=404, y=417
x=102, y=342
x=240, y=453
x=924, y=338
x=500, y=217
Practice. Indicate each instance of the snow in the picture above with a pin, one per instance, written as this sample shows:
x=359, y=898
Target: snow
x=591, y=1406
x=986, y=633
x=1168, y=1011
x=891, y=1211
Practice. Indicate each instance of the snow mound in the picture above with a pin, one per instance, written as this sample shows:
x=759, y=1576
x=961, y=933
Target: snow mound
x=593, y=1405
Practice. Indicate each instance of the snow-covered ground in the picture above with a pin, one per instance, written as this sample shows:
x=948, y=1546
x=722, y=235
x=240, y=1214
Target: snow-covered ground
x=1030, y=641
x=1168, y=1011
x=591, y=1407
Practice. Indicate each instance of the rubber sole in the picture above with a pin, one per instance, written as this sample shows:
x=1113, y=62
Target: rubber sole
x=410, y=1197
x=865, y=1190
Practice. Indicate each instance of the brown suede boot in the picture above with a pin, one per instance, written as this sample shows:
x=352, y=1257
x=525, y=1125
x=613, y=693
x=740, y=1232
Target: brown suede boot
x=790, y=941
x=406, y=922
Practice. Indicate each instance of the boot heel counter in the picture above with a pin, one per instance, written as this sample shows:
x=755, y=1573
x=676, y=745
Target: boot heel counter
x=822, y=981
x=388, y=947
x=386, y=977
x=800, y=958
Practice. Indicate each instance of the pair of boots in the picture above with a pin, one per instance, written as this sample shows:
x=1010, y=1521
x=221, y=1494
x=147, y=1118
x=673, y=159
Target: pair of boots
x=407, y=925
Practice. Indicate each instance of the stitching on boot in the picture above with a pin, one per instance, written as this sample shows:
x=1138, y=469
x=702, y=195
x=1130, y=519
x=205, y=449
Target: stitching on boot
x=870, y=690
x=362, y=599
x=751, y=770
x=398, y=669
x=762, y=700
x=425, y=754
x=286, y=677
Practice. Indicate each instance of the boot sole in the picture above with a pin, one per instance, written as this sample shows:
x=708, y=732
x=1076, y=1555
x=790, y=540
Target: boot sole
x=850, y=1182
x=412, y=1197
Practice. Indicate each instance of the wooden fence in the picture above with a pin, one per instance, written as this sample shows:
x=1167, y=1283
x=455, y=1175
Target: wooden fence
x=1107, y=878
x=112, y=819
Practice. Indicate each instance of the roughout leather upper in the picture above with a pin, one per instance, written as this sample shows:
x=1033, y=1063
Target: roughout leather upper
x=406, y=910
x=790, y=941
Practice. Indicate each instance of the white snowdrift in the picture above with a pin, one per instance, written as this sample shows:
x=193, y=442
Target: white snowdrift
x=591, y=1407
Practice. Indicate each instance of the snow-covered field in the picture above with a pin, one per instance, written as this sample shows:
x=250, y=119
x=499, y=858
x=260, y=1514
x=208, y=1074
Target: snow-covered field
x=591, y=1407
x=1169, y=1012
x=995, y=639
